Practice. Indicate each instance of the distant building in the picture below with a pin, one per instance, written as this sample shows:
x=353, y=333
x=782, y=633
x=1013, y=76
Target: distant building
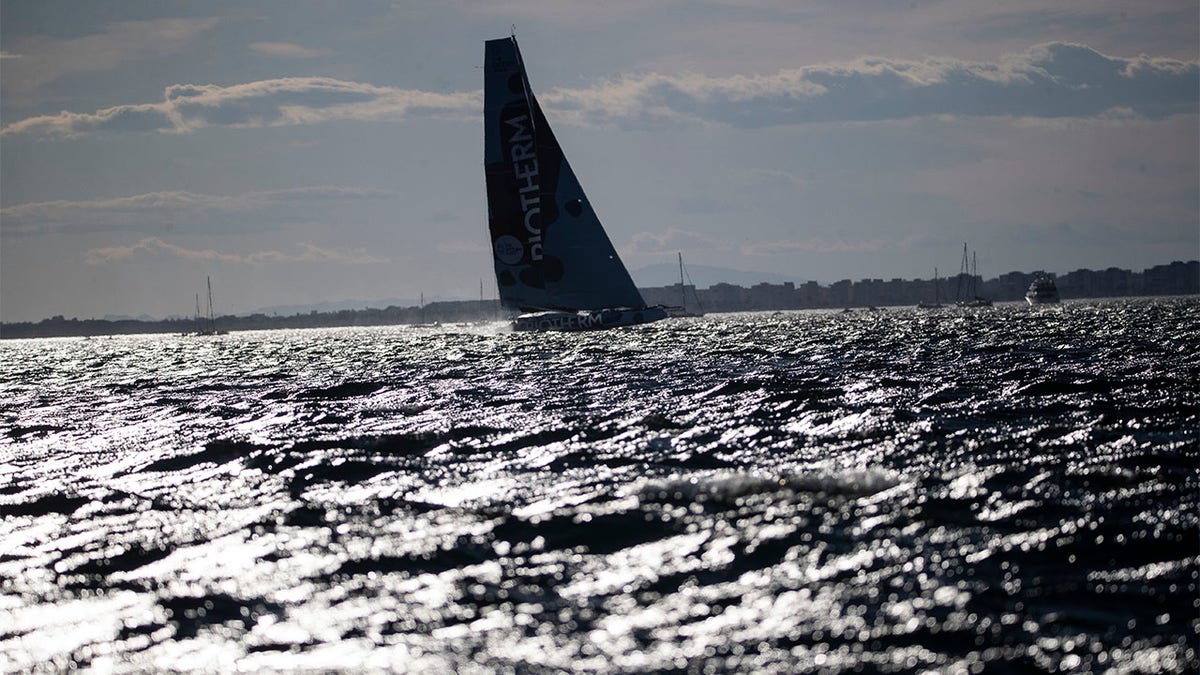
x=1176, y=278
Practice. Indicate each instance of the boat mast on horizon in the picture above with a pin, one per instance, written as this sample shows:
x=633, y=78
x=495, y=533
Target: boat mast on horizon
x=554, y=263
x=937, y=297
x=971, y=297
x=210, y=327
x=682, y=310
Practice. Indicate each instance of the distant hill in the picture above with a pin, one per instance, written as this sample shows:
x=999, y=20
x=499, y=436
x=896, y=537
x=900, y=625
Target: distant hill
x=703, y=276
x=339, y=305
x=665, y=274
x=1177, y=278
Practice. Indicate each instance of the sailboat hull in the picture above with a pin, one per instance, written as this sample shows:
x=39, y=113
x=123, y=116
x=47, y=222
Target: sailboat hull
x=599, y=319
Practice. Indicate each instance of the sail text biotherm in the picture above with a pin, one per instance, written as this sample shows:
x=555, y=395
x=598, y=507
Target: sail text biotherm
x=525, y=168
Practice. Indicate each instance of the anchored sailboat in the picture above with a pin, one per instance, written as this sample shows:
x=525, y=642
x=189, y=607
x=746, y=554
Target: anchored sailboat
x=554, y=262
x=937, y=296
x=209, y=326
x=968, y=296
x=682, y=309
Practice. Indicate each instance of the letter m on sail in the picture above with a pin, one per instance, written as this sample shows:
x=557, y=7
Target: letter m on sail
x=521, y=131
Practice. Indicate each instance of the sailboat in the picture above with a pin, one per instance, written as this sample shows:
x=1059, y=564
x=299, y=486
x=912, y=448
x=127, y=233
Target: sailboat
x=422, y=323
x=554, y=262
x=682, y=309
x=209, y=327
x=969, y=296
x=937, y=296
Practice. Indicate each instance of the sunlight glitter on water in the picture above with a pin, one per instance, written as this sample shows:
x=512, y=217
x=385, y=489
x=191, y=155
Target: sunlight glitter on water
x=892, y=491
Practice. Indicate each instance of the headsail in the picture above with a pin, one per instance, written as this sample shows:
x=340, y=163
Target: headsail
x=549, y=248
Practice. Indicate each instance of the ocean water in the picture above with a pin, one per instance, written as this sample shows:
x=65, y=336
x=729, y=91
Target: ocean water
x=1006, y=489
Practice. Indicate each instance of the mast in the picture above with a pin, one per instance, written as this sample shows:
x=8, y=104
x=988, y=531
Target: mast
x=974, y=274
x=198, y=330
x=962, y=272
x=682, y=292
x=212, y=324
x=937, y=298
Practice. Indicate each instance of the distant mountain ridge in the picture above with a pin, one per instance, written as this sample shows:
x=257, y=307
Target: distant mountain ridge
x=339, y=305
x=1177, y=278
x=661, y=274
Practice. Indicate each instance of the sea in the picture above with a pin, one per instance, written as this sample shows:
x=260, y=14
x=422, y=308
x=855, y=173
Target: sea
x=1005, y=489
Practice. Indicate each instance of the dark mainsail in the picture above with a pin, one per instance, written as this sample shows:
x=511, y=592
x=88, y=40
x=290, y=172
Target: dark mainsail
x=549, y=249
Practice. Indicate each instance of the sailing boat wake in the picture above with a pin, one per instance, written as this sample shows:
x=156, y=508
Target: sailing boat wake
x=554, y=262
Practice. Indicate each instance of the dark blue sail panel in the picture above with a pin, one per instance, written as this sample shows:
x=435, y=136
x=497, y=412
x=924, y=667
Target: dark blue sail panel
x=549, y=248
x=513, y=175
x=592, y=274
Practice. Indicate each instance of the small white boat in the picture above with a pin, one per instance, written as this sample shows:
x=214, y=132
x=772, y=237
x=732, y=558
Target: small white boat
x=1043, y=291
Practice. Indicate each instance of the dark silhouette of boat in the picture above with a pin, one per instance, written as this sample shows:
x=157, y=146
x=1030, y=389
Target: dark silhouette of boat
x=554, y=262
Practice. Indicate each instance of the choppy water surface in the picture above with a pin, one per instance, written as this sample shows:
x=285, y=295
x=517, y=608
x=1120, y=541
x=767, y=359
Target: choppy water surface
x=1005, y=488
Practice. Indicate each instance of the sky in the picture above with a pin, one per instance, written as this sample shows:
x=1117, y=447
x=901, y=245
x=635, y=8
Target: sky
x=305, y=152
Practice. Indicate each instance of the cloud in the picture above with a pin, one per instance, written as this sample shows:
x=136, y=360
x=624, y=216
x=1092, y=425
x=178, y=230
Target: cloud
x=561, y=13
x=45, y=60
x=672, y=240
x=1052, y=80
x=311, y=253
x=316, y=193
x=265, y=103
x=153, y=247
x=156, y=210
x=778, y=177
x=456, y=246
x=288, y=50
x=815, y=245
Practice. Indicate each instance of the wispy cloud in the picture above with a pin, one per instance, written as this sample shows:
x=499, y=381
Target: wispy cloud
x=153, y=247
x=674, y=239
x=266, y=103
x=44, y=60
x=179, y=208
x=778, y=177
x=288, y=50
x=462, y=246
x=1049, y=80
x=1053, y=80
x=814, y=245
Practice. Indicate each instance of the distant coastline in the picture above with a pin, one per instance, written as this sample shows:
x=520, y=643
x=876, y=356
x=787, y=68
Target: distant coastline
x=1176, y=278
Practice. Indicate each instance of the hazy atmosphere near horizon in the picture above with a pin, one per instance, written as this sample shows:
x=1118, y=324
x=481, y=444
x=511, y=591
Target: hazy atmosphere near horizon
x=306, y=152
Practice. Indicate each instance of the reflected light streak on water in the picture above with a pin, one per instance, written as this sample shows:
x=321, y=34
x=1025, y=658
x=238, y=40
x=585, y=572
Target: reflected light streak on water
x=1004, y=488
